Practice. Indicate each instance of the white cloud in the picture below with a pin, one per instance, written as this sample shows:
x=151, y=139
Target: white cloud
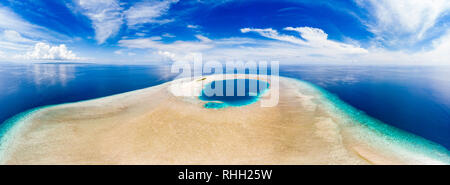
x=318, y=38
x=310, y=37
x=273, y=34
x=12, y=22
x=238, y=48
x=148, y=12
x=168, y=54
x=202, y=38
x=18, y=36
x=106, y=17
x=311, y=46
x=192, y=26
x=118, y=52
x=43, y=51
x=441, y=48
x=140, y=34
x=245, y=49
x=154, y=43
x=310, y=34
x=403, y=22
x=168, y=35
x=123, y=51
x=12, y=40
x=14, y=36
x=177, y=50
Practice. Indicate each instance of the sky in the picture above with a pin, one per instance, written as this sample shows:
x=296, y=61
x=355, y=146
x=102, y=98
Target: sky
x=400, y=32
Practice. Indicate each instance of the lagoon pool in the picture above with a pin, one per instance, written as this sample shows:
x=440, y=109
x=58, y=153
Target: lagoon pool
x=234, y=92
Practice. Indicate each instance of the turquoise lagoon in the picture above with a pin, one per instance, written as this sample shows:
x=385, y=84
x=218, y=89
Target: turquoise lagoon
x=232, y=92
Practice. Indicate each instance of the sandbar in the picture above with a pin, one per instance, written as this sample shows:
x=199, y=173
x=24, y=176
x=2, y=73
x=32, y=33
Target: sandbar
x=158, y=125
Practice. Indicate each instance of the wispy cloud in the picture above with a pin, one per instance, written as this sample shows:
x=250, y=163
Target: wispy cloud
x=14, y=36
x=401, y=30
x=403, y=23
x=106, y=17
x=148, y=12
x=273, y=34
x=291, y=49
x=192, y=26
x=168, y=35
x=13, y=40
x=17, y=36
x=310, y=37
x=9, y=20
x=176, y=50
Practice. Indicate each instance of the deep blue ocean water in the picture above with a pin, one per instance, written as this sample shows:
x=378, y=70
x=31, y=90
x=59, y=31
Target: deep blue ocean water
x=26, y=86
x=237, y=92
x=415, y=99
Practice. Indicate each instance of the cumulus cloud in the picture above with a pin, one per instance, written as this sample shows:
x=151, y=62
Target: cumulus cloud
x=106, y=17
x=43, y=51
x=168, y=54
x=17, y=36
x=148, y=12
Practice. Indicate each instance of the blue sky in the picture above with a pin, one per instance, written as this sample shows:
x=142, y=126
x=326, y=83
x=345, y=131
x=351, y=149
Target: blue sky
x=302, y=31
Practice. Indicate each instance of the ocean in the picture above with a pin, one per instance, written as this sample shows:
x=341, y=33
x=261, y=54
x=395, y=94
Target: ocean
x=413, y=98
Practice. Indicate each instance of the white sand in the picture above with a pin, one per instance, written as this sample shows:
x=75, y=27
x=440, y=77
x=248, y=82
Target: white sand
x=158, y=125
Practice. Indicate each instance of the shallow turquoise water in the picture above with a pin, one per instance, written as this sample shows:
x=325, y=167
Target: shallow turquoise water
x=386, y=136
x=235, y=92
x=410, y=98
x=415, y=99
x=379, y=132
